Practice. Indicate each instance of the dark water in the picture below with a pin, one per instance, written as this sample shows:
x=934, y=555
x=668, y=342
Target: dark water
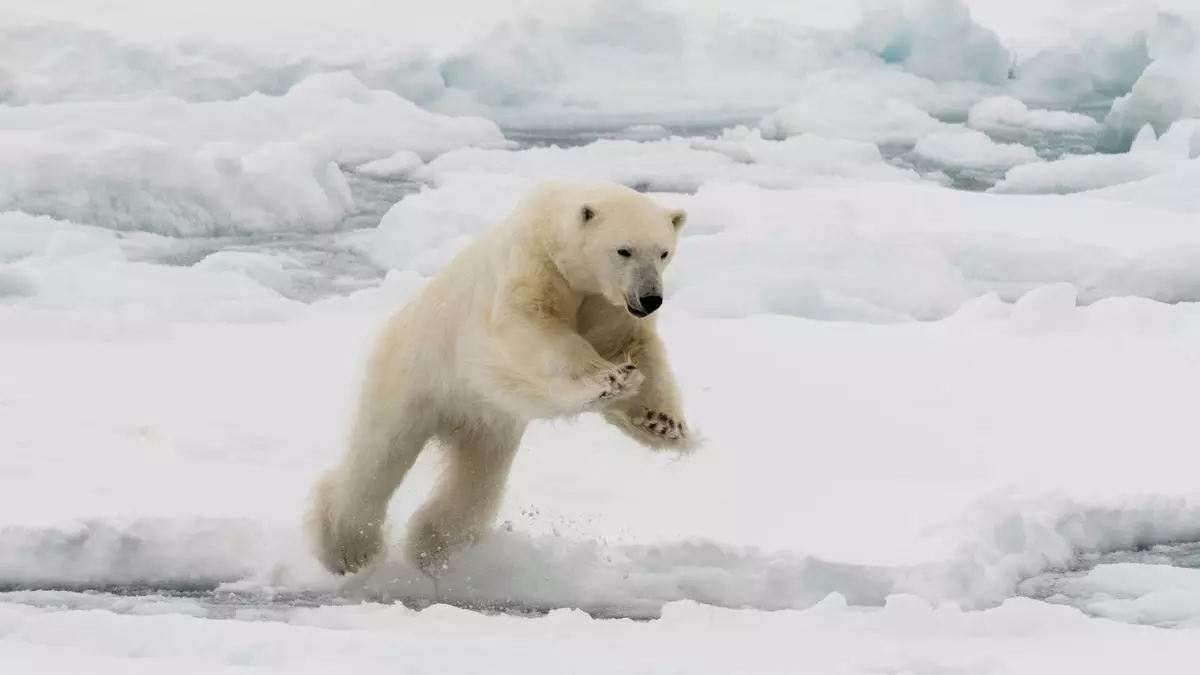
x=208, y=600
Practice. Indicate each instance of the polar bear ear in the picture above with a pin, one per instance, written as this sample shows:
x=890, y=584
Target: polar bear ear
x=587, y=213
x=678, y=218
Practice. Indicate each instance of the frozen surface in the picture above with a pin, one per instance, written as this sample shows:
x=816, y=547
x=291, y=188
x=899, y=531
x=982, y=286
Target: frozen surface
x=903, y=482
x=972, y=504
x=934, y=314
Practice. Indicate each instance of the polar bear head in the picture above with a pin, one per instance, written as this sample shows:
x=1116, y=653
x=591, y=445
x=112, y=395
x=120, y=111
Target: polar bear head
x=618, y=243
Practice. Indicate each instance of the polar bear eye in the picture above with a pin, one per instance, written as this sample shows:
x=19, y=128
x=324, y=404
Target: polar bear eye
x=624, y=252
x=664, y=255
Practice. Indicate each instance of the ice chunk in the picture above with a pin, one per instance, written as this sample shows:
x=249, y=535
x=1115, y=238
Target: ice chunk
x=90, y=278
x=1167, y=91
x=1181, y=140
x=644, y=132
x=937, y=39
x=679, y=164
x=400, y=164
x=266, y=270
x=1083, y=172
x=875, y=109
x=800, y=154
x=1046, y=308
x=972, y=149
x=1098, y=60
x=252, y=165
x=127, y=182
x=422, y=232
x=1145, y=593
x=1002, y=112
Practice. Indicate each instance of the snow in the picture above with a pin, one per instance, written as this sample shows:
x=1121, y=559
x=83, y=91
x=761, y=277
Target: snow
x=934, y=314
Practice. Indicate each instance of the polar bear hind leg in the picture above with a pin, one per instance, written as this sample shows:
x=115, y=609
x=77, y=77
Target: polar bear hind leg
x=349, y=504
x=465, y=502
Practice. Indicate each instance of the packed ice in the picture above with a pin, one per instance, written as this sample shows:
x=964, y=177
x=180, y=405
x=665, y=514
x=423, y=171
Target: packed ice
x=934, y=314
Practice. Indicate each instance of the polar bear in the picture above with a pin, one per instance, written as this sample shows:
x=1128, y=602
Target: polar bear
x=548, y=314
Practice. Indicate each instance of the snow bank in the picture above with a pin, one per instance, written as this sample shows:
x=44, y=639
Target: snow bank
x=256, y=164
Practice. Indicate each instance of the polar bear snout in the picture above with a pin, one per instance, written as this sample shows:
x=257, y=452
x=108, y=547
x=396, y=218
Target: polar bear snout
x=644, y=305
x=651, y=302
x=643, y=291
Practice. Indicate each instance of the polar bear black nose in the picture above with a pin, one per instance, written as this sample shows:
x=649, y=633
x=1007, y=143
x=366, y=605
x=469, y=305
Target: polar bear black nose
x=650, y=302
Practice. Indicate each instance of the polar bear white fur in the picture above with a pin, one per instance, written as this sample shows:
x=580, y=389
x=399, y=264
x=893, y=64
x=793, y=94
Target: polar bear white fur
x=548, y=314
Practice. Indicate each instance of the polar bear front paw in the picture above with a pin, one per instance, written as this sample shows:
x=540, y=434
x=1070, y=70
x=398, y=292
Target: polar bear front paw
x=661, y=425
x=618, y=384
